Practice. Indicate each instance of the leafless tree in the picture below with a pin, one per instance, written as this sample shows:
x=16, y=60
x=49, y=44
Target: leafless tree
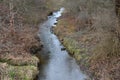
x=11, y=14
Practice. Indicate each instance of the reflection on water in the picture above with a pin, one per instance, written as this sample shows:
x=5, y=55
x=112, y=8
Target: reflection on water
x=60, y=65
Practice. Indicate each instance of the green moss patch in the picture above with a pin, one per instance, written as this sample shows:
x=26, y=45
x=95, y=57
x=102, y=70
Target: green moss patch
x=9, y=72
x=20, y=61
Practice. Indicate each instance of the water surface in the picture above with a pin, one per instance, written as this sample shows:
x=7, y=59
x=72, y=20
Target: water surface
x=60, y=65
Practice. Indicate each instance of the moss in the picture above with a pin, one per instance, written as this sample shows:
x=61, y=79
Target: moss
x=21, y=69
x=74, y=49
x=71, y=45
x=20, y=62
x=12, y=75
x=79, y=57
x=17, y=72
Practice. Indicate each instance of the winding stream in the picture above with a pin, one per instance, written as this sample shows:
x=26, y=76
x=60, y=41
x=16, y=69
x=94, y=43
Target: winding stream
x=60, y=66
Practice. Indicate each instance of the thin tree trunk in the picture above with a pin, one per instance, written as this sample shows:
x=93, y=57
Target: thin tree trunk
x=11, y=6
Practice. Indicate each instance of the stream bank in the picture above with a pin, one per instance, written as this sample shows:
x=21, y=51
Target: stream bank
x=90, y=37
x=59, y=66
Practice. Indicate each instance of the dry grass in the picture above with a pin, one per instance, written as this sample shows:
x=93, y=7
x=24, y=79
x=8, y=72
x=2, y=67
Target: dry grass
x=18, y=44
x=95, y=29
x=9, y=72
x=108, y=47
x=16, y=40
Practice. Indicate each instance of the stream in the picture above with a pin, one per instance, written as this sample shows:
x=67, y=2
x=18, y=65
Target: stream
x=59, y=66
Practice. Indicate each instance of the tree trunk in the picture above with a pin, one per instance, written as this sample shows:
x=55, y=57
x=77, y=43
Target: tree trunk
x=11, y=6
x=117, y=7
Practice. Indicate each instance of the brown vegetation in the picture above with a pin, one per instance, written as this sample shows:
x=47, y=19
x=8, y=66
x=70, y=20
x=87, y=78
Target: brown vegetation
x=89, y=29
x=92, y=37
x=18, y=30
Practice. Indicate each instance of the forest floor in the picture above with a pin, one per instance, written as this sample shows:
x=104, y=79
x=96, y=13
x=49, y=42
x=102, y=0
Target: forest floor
x=15, y=60
x=85, y=44
x=16, y=40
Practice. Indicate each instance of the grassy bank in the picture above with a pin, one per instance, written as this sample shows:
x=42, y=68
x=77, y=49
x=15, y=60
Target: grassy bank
x=12, y=72
x=90, y=32
x=19, y=21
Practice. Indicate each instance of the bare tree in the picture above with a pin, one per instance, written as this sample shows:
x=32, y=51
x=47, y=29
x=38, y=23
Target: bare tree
x=11, y=14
